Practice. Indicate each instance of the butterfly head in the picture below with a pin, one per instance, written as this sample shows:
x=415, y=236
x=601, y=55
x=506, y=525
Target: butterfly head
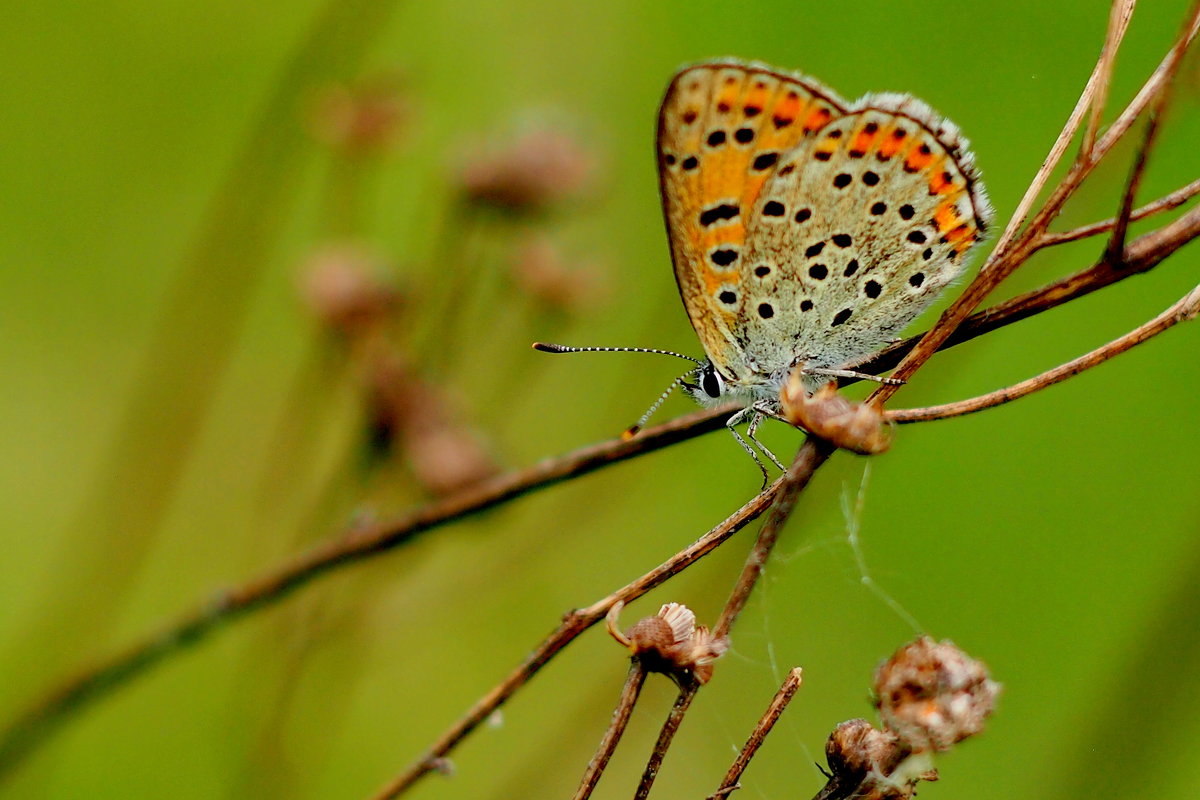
x=705, y=384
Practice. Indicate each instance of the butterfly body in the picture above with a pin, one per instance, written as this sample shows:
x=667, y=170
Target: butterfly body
x=805, y=230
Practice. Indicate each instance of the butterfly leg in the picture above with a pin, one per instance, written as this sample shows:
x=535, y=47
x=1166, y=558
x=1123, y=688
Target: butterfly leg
x=755, y=421
x=737, y=419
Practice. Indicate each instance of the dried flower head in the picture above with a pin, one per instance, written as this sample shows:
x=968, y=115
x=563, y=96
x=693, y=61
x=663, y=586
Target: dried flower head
x=858, y=427
x=932, y=695
x=362, y=118
x=865, y=762
x=341, y=284
x=537, y=169
x=856, y=747
x=417, y=419
x=542, y=273
x=670, y=642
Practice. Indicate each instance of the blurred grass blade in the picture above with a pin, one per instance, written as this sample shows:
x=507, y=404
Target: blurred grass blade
x=187, y=356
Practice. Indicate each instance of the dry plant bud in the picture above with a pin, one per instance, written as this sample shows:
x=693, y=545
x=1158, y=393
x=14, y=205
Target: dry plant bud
x=669, y=642
x=363, y=118
x=537, y=169
x=857, y=427
x=342, y=287
x=415, y=417
x=865, y=762
x=856, y=747
x=542, y=273
x=449, y=458
x=932, y=695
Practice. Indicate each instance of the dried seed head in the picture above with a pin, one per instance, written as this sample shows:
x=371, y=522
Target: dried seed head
x=857, y=427
x=539, y=168
x=932, y=695
x=867, y=763
x=341, y=284
x=542, y=273
x=670, y=642
x=856, y=748
x=416, y=418
x=362, y=118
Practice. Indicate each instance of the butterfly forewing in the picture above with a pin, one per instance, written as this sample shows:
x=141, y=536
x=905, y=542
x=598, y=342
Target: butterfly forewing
x=856, y=231
x=723, y=130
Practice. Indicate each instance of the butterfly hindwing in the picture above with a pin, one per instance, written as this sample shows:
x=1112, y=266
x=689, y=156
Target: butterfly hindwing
x=723, y=129
x=856, y=231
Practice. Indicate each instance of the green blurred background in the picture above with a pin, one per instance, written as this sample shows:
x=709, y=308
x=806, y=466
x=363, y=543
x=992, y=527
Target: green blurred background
x=175, y=418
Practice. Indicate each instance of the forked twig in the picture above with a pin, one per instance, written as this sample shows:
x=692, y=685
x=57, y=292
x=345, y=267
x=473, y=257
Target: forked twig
x=1006, y=257
x=956, y=325
x=272, y=585
x=811, y=456
x=1165, y=203
x=1186, y=309
x=572, y=625
x=1118, y=23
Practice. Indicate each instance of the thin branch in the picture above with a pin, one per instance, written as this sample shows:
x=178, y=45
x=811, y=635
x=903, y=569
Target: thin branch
x=1116, y=243
x=687, y=693
x=99, y=680
x=1164, y=203
x=572, y=625
x=1118, y=22
x=774, y=711
x=1186, y=309
x=1004, y=260
x=812, y=455
x=1117, y=25
x=1142, y=255
x=616, y=729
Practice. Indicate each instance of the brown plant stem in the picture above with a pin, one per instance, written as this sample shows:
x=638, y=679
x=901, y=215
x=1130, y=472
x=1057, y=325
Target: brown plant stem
x=813, y=453
x=779, y=703
x=274, y=584
x=1142, y=255
x=1117, y=25
x=572, y=625
x=1005, y=258
x=616, y=729
x=687, y=693
x=1164, y=203
x=50, y=711
x=1186, y=309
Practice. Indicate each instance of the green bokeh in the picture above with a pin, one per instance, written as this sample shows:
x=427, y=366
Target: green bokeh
x=150, y=150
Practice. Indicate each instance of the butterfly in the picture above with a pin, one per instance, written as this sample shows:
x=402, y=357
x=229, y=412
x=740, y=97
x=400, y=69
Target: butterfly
x=805, y=231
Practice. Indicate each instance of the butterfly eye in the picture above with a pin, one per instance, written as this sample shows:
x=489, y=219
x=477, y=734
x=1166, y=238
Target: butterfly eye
x=710, y=382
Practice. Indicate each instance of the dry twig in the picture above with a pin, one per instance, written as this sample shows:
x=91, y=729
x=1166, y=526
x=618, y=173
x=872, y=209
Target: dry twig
x=787, y=691
x=1022, y=237
x=616, y=729
x=1186, y=309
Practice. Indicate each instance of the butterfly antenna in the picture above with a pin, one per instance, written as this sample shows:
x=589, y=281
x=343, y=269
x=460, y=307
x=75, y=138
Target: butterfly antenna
x=633, y=429
x=562, y=348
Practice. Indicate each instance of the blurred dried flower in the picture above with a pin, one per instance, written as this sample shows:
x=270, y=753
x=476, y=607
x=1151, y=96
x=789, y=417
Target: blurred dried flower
x=411, y=414
x=932, y=695
x=362, y=118
x=341, y=284
x=670, y=642
x=541, y=272
x=537, y=169
x=857, y=427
